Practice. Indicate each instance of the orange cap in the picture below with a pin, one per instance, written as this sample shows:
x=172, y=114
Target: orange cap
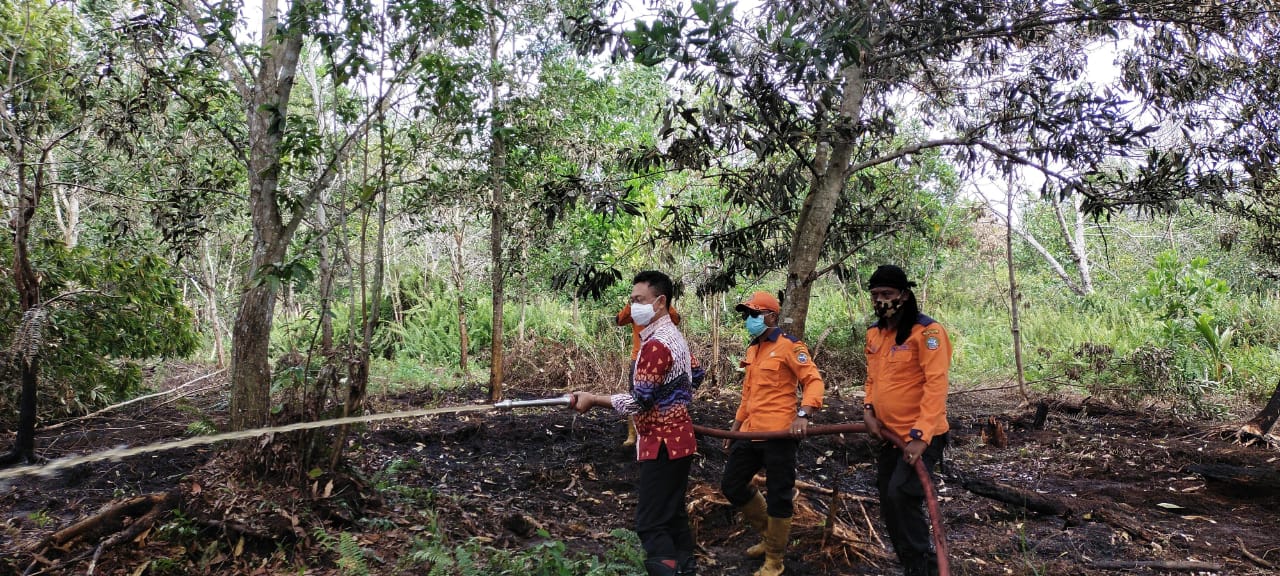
x=760, y=301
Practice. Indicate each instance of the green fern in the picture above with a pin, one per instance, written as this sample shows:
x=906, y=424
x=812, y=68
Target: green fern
x=351, y=556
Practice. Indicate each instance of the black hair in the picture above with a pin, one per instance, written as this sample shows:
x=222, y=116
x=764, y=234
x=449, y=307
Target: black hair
x=659, y=282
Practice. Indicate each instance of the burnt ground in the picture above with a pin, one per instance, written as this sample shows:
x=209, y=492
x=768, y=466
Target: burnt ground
x=510, y=480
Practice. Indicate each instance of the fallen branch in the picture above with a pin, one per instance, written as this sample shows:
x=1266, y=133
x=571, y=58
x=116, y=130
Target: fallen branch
x=870, y=528
x=1251, y=556
x=131, y=401
x=145, y=510
x=111, y=519
x=188, y=393
x=832, y=508
x=1252, y=479
x=1087, y=406
x=134, y=531
x=1072, y=510
x=822, y=490
x=239, y=529
x=1158, y=565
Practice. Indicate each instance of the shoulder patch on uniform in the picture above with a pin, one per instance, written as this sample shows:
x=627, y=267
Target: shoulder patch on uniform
x=931, y=343
x=802, y=357
x=931, y=332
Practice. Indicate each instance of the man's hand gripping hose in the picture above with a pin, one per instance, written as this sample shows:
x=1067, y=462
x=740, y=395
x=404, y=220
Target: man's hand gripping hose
x=930, y=495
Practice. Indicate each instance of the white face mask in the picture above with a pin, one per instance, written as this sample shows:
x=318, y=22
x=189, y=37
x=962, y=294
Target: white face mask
x=642, y=314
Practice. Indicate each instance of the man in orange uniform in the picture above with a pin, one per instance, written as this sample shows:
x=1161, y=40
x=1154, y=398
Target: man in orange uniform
x=624, y=318
x=908, y=357
x=777, y=364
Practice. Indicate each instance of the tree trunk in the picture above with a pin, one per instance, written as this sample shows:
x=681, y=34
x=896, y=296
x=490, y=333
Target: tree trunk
x=27, y=285
x=251, y=335
x=1073, y=509
x=250, y=367
x=1074, y=239
x=206, y=286
x=326, y=279
x=373, y=317
x=1262, y=423
x=497, y=173
x=1057, y=267
x=268, y=106
x=457, y=262
x=371, y=313
x=1082, y=249
x=831, y=172
x=66, y=209
x=1015, y=297
x=712, y=369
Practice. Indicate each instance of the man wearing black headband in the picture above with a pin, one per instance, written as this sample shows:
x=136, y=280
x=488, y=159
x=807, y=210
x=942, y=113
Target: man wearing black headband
x=908, y=357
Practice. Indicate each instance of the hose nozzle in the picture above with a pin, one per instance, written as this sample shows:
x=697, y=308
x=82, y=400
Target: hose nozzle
x=564, y=401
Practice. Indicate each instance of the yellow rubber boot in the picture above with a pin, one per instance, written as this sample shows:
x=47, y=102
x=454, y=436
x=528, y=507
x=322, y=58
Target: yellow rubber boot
x=756, y=516
x=631, y=432
x=775, y=539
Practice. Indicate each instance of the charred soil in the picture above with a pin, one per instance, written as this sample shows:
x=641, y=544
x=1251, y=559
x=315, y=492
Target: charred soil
x=1128, y=497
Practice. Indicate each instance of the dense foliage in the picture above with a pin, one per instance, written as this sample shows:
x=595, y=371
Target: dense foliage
x=336, y=168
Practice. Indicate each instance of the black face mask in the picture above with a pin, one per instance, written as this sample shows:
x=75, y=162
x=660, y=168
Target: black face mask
x=886, y=308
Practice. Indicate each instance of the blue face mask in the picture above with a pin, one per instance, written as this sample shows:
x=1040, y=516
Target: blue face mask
x=755, y=325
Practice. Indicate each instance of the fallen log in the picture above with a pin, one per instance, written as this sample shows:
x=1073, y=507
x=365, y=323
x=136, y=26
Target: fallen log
x=1025, y=499
x=135, y=531
x=111, y=519
x=1088, y=406
x=1254, y=479
x=145, y=511
x=1072, y=510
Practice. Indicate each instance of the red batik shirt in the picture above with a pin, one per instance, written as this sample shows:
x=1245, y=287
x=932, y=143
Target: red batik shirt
x=661, y=390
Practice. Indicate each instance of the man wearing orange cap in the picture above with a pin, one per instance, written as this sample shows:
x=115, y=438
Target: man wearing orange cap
x=908, y=358
x=777, y=365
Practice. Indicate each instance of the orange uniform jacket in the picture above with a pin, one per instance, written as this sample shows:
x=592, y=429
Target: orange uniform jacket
x=907, y=384
x=775, y=363
x=624, y=318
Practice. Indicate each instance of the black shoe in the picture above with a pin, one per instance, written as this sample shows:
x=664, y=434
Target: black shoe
x=659, y=567
x=688, y=566
x=921, y=566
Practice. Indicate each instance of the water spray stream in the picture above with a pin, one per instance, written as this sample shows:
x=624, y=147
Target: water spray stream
x=49, y=469
x=124, y=452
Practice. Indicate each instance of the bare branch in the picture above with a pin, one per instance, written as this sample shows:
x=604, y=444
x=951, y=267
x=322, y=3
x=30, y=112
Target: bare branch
x=896, y=226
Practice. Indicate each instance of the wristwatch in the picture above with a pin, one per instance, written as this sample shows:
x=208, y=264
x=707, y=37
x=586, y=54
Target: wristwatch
x=802, y=414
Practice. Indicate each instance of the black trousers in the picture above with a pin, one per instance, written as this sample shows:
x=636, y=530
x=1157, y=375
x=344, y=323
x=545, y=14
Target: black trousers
x=902, y=503
x=778, y=458
x=662, y=520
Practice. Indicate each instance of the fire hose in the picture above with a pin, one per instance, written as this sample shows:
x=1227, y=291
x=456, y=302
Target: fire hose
x=939, y=536
x=931, y=495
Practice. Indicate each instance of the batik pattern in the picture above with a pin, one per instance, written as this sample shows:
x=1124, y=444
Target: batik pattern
x=661, y=389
